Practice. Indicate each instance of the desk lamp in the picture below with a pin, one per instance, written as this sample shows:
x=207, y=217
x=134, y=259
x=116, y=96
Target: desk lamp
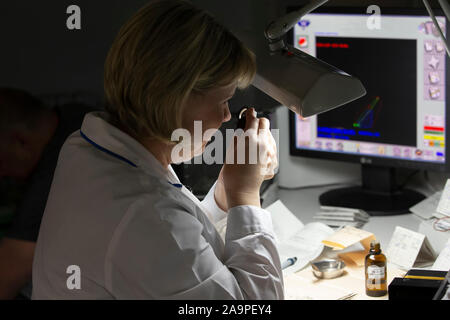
x=303, y=83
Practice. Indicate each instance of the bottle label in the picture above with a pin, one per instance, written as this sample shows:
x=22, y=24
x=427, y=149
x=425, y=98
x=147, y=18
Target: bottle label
x=375, y=275
x=375, y=272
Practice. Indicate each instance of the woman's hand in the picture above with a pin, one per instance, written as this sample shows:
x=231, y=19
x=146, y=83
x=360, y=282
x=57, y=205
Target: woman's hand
x=250, y=160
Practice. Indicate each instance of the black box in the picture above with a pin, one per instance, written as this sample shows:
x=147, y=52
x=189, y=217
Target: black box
x=416, y=285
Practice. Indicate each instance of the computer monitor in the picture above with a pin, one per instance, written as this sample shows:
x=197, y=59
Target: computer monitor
x=402, y=120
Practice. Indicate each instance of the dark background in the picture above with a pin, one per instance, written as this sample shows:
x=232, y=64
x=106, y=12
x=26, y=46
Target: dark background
x=384, y=75
x=39, y=54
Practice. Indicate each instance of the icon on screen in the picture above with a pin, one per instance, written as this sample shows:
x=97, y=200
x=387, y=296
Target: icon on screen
x=434, y=92
x=439, y=47
x=434, y=77
x=428, y=46
x=433, y=62
x=303, y=42
x=429, y=28
x=304, y=24
x=407, y=153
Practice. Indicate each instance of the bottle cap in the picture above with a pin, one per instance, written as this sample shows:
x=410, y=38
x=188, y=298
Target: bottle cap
x=374, y=243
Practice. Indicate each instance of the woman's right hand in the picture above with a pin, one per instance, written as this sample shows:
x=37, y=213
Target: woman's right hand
x=241, y=175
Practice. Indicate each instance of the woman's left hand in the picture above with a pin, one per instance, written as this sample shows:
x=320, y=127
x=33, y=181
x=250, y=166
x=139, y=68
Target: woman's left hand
x=272, y=166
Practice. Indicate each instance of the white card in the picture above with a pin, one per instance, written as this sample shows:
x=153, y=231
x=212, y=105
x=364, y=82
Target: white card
x=442, y=262
x=408, y=248
x=444, y=203
x=427, y=207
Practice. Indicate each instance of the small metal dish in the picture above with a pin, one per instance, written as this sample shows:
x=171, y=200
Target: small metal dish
x=328, y=269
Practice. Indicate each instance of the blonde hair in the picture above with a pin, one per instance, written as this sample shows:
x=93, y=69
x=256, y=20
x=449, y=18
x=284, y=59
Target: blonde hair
x=167, y=50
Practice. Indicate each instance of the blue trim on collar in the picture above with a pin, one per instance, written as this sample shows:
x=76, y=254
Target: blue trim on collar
x=178, y=185
x=106, y=150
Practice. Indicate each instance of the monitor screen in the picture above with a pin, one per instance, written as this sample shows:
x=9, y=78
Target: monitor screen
x=402, y=63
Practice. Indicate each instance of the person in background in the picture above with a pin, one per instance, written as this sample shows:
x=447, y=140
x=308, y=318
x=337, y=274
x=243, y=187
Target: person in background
x=118, y=222
x=31, y=136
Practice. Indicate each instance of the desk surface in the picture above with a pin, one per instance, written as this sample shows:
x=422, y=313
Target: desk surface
x=304, y=204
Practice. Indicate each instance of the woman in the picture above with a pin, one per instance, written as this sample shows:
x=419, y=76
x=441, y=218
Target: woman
x=118, y=223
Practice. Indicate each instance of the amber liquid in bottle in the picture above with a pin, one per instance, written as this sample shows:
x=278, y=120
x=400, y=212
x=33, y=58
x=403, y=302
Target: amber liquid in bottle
x=376, y=272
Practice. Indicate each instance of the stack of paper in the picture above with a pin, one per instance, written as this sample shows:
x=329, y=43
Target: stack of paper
x=340, y=217
x=426, y=209
x=435, y=206
x=444, y=202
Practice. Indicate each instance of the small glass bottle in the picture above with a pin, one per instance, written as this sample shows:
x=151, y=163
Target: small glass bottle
x=376, y=272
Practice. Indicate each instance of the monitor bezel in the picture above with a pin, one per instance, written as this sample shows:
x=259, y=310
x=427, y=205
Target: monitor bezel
x=373, y=159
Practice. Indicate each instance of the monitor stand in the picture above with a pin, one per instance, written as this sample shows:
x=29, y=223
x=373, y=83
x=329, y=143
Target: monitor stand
x=379, y=194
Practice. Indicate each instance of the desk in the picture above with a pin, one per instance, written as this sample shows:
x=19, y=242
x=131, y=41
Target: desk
x=304, y=204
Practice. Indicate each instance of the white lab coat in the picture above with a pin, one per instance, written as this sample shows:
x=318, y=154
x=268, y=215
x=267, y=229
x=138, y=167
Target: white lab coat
x=119, y=226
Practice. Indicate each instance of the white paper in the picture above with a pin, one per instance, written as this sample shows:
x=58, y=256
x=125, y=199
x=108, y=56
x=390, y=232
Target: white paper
x=404, y=248
x=342, y=224
x=439, y=215
x=348, y=236
x=442, y=262
x=294, y=239
x=427, y=207
x=285, y=223
x=444, y=203
x=300, y=287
